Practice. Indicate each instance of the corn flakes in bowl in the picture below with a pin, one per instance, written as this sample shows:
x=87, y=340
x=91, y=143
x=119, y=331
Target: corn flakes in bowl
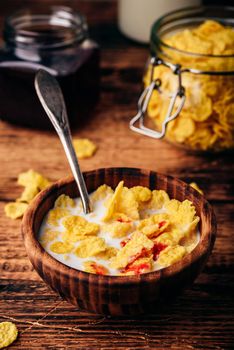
x=145, y=232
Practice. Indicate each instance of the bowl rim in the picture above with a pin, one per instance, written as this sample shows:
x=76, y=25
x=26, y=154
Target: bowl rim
x=35, y=248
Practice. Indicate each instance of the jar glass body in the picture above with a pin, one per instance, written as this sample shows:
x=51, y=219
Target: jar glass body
x=206, y=120
x=58, y=42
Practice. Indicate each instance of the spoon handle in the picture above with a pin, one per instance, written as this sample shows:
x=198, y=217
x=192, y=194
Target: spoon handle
x=51, y=98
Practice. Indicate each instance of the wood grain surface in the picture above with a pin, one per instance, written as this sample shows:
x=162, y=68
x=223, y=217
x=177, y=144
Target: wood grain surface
x=202, y=318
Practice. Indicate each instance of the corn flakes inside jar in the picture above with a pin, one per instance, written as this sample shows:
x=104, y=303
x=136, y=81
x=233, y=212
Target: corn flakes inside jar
x=189, y=80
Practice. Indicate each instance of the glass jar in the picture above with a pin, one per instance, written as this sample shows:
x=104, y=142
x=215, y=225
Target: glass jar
x=189, y=93
x=56, y=40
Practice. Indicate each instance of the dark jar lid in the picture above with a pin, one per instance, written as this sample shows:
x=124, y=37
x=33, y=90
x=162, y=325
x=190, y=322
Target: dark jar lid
x=54, y=28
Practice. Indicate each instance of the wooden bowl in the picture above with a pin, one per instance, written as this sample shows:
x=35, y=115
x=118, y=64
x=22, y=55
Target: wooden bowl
x=118, y=295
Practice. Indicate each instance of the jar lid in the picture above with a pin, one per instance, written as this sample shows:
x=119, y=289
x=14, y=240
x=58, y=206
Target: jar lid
x=54, y=28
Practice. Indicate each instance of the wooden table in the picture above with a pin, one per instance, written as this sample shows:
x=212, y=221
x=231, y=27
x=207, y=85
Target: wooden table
x=201, y=318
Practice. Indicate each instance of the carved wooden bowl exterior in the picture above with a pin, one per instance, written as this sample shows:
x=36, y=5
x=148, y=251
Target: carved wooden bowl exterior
x=118, y=295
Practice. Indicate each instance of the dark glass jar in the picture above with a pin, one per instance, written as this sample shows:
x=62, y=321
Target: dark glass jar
x=58, y=41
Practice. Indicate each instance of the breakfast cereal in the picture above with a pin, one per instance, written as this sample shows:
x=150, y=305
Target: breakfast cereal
x=28, y=194
x=61, y=247
x=93, y=267
x=48, y=236
x=64, y=201
x=15, y=210
x=33, y=182
x=77, y=226
x=8, y=334
x=56, y=214
x=141, y=194
x=206, y=121
x=84, y=148
x=90, y=247
x=32, y=177
x=130, y=231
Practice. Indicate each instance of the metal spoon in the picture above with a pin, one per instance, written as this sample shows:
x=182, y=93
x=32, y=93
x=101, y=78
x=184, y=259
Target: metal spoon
x=51, y=98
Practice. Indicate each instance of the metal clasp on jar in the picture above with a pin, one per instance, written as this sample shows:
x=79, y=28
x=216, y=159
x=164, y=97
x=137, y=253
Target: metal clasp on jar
x=145, y=98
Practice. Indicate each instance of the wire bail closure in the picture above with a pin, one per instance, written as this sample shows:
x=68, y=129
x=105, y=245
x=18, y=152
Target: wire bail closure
x=145, y=98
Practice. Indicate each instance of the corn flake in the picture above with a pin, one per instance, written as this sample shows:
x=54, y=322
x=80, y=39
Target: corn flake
x=61, y=247
x=154, y=230
x=84, y=148
x=90, y=247
x=101, y=192
x=202, y=109
x=56, y=214
x=208, y=27
x=15, y=210
x=8, y=334
x=77, y=228
x=182, y=213
x=107, y=254
x=64, y=201
x=33, y=178
x=118, y=229
x=132, y=250
x=33, y=183
x=120, y=217
x=158, y=200
x=122, y=202
x=142, y=265
x=170, y=238
x=112, y=203
x=29, y=193
x=189, y=241
x=141, y=194
x=48, y=236
x=154, y=225
x=182, y=128
x=127, y=204
x=170, y=255
x=93, y=267
x=159, y=219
